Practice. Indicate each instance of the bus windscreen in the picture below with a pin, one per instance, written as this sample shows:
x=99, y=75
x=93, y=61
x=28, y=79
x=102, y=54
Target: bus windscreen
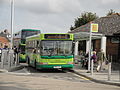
x=56, y=48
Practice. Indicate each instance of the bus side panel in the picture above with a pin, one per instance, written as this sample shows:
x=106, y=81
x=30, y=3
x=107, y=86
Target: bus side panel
x=55, y=63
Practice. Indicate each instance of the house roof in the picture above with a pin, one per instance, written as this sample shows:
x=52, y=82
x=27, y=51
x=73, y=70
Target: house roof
x=3, y=39
x=108, y=25
x=5, y=36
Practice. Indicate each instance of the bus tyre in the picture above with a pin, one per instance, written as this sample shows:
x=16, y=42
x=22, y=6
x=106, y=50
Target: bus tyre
x=35, y=64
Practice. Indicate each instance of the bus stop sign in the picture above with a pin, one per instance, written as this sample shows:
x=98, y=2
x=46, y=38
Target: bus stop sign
x=94, y=27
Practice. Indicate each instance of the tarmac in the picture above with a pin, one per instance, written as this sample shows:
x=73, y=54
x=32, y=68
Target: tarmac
x=98, y=77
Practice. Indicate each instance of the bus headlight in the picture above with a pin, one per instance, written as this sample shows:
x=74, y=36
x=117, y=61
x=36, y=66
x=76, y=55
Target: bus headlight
x=70, y=62
x=45, y=63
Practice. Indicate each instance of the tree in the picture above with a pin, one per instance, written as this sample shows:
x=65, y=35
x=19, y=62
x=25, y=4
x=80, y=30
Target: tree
x=71, y=28
x=111, y=11
x=83, y=19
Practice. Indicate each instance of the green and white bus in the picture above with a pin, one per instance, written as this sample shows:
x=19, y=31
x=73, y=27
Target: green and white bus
x=19, y=41
x=50, y=51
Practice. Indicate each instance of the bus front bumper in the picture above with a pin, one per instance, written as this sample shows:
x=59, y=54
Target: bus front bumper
x=54, y=66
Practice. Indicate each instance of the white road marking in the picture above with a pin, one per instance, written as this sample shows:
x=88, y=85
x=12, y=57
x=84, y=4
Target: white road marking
x=17, y=73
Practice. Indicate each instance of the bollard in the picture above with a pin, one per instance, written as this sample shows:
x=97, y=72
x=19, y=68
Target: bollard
x=0, y=54
x=10, y=58
x=2, y=60
x=16, y=59
x=109, y=71
x=79, y=64
x=119, y=74
x=5, y=56
x=92, y=67
x=0, y=57
x=9, y=61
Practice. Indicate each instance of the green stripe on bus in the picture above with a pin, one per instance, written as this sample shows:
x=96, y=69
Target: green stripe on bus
x=52, y=66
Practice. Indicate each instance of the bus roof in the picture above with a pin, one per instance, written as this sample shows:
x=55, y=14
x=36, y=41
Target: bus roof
x=30, y=30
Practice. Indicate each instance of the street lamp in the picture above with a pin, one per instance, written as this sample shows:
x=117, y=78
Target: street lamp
x=12, y=21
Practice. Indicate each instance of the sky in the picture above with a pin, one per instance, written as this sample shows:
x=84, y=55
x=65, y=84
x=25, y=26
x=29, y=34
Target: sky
x=51, y=16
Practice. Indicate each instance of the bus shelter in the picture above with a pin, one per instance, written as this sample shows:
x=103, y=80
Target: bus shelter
x=85, y=36
x=80, y=36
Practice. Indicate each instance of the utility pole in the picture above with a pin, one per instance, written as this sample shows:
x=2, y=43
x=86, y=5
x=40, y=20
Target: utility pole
x=93, y=28
x=89, y=47
x=12, y=21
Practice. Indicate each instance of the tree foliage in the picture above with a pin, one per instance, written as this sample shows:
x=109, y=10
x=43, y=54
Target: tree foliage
x=83, y=19
x=110, y=12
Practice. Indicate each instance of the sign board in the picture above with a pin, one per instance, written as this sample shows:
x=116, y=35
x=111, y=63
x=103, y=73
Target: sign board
x=94, y=27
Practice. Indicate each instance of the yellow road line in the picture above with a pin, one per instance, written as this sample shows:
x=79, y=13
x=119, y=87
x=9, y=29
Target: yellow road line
x=80, y=76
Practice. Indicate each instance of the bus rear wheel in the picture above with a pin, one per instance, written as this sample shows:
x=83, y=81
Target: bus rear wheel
x=35, y=64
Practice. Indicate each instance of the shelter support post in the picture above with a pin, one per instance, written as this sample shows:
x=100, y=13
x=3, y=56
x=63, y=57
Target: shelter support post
x=76, y=48
x=103, y=44
x=87, y=46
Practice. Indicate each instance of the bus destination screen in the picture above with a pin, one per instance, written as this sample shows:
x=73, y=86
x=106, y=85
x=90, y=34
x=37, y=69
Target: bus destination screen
x=57, y=36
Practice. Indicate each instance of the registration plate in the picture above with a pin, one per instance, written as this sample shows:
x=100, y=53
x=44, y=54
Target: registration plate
x=57, y=67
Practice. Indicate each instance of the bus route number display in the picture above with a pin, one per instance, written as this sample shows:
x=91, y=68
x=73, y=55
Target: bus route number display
x=57, y=36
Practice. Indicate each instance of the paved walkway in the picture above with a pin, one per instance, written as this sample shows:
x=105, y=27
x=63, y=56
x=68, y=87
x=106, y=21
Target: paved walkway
x=13, y=67
x=99, y=77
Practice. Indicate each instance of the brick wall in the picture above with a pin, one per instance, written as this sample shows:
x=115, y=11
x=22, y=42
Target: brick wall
x=97, y=45
x=112, y=48
x=4, y=41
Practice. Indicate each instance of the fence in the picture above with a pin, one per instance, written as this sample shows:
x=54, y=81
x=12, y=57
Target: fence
x=8, y=59
x=115, y=71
